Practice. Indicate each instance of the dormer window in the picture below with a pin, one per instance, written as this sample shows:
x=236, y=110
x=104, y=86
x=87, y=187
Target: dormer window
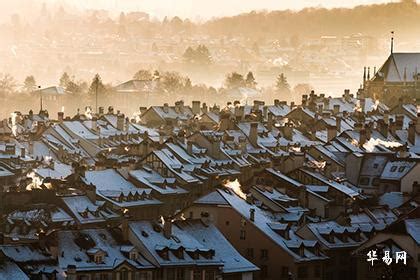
x=133, y=255
x=98, y=258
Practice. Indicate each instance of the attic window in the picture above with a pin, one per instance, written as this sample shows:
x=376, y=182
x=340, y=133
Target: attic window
x=133, y=255
x=401, y=169
x=98, y=258
x=393, y=169
x=144, y=234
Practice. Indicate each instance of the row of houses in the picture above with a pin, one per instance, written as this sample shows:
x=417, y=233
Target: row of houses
x=281, y=191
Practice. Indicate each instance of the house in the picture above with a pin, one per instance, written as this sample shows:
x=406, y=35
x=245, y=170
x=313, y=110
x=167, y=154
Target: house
x=189, y=248
x=122, y=195
x=90, y=253
x=337, y=242
x=399, y=175
x=260, y=237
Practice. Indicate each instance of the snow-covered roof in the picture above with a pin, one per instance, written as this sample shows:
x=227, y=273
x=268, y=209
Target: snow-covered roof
x=75, y=247
x=395, y=170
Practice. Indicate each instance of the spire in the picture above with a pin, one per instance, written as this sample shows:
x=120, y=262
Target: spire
x=392, y=42
x=405, y=74
x=364, y=74
x=368, y=75
x=374, y=70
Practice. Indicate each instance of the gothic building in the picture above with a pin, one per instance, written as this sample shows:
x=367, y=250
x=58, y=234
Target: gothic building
x=398, y=80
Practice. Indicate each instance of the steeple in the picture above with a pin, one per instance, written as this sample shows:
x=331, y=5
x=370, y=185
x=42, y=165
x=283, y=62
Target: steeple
x=392, y=42
x=368, y=75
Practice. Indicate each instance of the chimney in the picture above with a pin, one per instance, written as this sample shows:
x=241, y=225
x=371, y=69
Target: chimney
x=363, y=104
x=265, y=112
x=336, y=109
x=167, y=228
x=189, y=147
x=60, y=116
x=124, y=228
x=253, y=133
x=252, y=214
x=412, y=132
x=276, y=102
x=270, y=121
x=338, y=123
x=239, y=113
x=331, y=133
x=386, y=117
x=362, y=139
x=196, y=107
x=399, y=122
x=101, y=111
x=22, y=152
x=94, y=123
x=288, y=131
x=110, y=110
x=142, y=110
x=120, y=122
x=347, y=94
x=292, y=105
x=204, y=109
x=165, y=108
x=31, y=147
x=417, y=124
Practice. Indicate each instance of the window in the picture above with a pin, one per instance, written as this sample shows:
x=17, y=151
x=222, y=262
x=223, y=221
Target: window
x=210, y=275
x=104, y=276
x=401, y=169
x=250, y=253
x=364, y=181
x=302, y=272
x=180, y=274
x=264, y=254
x=243, y=234
x=227, y=223
x=375, y=166
x=197, y=275
x=124, y=275
x=284, y=271
x=393, y=169
x=98, y=259
x=376, y=182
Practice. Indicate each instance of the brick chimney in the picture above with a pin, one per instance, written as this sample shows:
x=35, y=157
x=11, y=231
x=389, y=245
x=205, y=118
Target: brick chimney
x=288, y=131
x=166, y=108
x=60, y=116
x=270, y=121
x=331, y=132
x=338, y=123
x=189, y=147
x=362, y=138
x=120, y=122
x=196, y=107
x=204, y=108
x=167, y=228
x=336, y=109
x=253, y=133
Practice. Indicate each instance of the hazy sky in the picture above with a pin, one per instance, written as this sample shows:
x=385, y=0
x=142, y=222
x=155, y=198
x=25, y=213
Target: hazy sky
x=193, y=9
x=209, y=8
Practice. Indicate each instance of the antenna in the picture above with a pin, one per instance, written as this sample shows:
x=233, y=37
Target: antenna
x=392, y=42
